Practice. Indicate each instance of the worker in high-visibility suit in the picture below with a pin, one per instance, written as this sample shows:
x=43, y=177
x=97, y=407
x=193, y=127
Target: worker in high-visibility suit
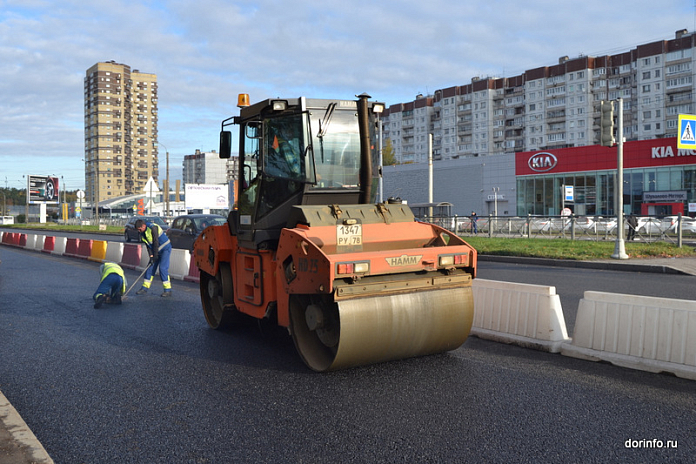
x=111, y=286
x=160, y=248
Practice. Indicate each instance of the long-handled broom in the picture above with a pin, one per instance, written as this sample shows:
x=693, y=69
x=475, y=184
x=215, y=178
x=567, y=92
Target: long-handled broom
x=136, y=280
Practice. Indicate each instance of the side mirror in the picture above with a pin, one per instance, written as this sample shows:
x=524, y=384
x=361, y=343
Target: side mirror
x=233, y=221
x=225, y=144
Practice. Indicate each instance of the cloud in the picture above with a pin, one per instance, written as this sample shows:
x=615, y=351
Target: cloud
x=206, y=52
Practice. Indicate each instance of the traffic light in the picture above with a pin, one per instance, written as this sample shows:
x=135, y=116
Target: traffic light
x=606, y=123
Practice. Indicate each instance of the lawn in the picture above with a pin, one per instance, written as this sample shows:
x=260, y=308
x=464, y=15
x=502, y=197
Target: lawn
x=52, y=226
x=574, y=249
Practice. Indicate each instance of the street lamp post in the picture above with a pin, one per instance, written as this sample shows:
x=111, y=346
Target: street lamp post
x=495, y=205
x=96, y=203
x=166, y=179
x=4, y=197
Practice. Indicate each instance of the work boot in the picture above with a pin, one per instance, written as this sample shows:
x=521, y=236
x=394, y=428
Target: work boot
x=99, y=301
x=116, y=299
x=142, y=291
x=167, y=293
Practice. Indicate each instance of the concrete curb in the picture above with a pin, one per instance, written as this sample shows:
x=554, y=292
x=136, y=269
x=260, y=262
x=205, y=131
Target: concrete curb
x=619, y=265
x=17, y=442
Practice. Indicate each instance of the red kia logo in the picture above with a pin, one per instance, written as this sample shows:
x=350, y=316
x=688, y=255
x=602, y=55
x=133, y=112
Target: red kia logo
x=542, y=162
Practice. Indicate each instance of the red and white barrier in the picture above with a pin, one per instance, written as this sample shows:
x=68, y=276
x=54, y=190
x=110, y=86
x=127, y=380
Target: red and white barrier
x=194, y=274
x=49, y=244
x=131, y=256
x=84, y=249
x=179, y=263
x=71, y=247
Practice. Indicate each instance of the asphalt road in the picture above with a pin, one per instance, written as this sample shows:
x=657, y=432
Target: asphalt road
x=149, y=382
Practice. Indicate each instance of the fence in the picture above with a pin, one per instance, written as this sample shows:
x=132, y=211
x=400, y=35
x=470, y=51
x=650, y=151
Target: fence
x=648, y=229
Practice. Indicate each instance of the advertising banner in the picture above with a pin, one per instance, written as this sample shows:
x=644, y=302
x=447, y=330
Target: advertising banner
x=42, y=189
x=206, y=196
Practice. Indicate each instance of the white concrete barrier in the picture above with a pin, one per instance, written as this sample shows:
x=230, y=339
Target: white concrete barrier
x=639, y=332
x=527, y=315
x=38, y=242
x=179, y=263
x=114, y=252
x=31, y=241
x=59, y=248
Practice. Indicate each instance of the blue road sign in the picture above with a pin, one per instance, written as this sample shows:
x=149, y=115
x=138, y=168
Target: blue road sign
x=687, y=131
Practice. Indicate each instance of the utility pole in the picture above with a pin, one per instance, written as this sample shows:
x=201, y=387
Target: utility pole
x=619, y=248
x=165, y=185
x=430, y=175
x=96, y=190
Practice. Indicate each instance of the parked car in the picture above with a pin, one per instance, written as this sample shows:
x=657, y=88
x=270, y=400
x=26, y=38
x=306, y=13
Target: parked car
x=131, y=234
x=669, y=224
x=186, y=228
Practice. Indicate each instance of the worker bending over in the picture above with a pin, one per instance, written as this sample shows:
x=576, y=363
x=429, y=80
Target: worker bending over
x=160, y=248
x=111, y=286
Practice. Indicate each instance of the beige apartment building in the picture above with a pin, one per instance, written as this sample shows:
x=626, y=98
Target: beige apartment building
x=550, y=107
x=120, y=131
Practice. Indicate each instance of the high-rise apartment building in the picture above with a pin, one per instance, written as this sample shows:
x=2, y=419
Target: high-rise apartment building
x=551, y=106
x=120, y=130
x=208, y=168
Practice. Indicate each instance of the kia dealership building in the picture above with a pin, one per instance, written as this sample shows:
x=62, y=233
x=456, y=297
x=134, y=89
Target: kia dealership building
x=659, y=179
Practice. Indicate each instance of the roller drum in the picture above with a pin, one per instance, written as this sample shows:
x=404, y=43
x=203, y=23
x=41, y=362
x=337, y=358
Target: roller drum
x=382, y=328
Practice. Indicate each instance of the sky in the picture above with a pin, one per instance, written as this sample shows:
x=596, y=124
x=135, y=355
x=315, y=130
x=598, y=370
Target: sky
x=206, y=52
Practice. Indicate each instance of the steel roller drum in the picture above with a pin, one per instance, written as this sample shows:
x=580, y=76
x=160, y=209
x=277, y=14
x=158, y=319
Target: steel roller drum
x=382, y=328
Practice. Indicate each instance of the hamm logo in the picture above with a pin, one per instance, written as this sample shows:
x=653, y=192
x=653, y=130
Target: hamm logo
x=404, y=260
x=542, y=162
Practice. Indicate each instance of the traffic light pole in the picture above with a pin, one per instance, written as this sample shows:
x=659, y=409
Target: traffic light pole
x=619, y=248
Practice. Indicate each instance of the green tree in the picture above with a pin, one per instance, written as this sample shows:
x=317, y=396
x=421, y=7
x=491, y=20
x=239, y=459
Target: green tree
x=388, y=157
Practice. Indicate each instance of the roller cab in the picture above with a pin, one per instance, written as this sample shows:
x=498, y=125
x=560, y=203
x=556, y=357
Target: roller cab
x=353, y=281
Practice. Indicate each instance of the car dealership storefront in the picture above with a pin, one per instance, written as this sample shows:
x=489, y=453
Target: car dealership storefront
x=658, y=179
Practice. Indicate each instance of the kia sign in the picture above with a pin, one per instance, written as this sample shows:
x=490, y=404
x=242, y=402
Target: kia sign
x=542, y=162
x=42, y=189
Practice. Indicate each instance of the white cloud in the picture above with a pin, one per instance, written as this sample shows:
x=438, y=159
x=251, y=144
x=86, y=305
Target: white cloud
x=206, y=52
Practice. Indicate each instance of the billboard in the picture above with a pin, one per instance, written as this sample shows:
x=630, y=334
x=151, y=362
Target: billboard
x=42, y=189
x=207, y=196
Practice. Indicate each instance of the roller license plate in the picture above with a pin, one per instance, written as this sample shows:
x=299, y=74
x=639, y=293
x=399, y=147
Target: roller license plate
x=349, y=235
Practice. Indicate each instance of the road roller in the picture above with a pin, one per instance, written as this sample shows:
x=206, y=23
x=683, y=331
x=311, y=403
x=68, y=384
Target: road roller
x=306, y=246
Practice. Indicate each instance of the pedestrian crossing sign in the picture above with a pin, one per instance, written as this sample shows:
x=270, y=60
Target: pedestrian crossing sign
x=687, y=132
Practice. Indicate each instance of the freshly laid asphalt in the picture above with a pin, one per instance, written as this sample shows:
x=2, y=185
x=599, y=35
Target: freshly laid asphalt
x=18, y=445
